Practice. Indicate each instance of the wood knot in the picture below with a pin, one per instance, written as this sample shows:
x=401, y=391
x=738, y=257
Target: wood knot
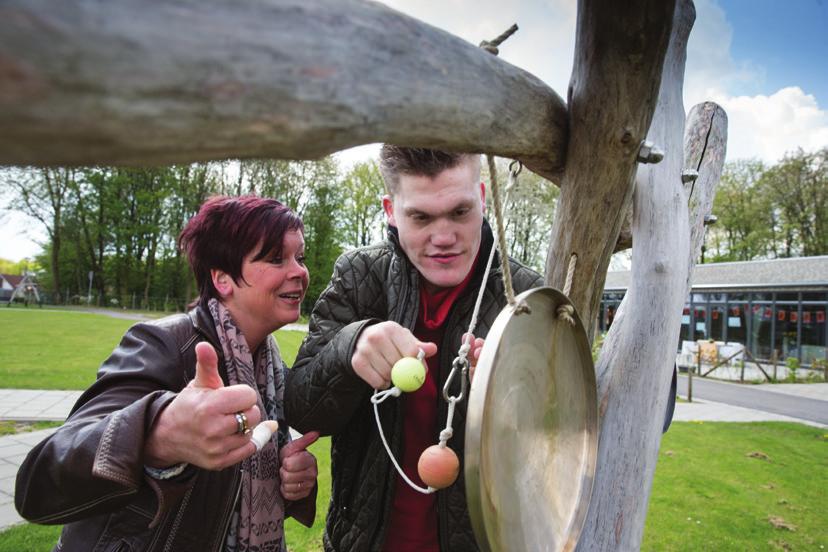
x=627, y=137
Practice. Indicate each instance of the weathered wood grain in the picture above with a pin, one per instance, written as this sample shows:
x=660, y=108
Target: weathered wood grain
x=636, y=362
x=619, y=54
x=145, y=83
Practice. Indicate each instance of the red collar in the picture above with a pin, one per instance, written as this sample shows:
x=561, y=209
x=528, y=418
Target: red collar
x=435, y=306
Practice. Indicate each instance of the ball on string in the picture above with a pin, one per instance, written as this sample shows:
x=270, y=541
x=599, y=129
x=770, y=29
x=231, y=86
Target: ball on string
x=438, y=466
x=408, y=374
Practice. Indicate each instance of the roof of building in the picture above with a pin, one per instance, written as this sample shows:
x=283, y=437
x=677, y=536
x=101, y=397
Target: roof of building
x=800, y=272
x=13, y=279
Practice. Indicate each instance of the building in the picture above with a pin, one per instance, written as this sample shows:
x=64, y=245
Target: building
x=776, y=305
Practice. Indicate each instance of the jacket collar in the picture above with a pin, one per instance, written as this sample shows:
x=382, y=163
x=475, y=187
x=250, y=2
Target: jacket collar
x=204, y=324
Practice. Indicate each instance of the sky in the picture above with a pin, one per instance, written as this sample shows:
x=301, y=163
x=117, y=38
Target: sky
x=764, y=61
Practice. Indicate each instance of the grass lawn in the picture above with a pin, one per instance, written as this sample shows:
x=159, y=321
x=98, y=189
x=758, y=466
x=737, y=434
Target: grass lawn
x=739, y=486
x=718, y=486
x=63, y=350
x=12, y=428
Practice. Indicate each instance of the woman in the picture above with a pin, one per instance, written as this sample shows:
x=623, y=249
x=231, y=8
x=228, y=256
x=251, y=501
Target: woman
x=157, y=453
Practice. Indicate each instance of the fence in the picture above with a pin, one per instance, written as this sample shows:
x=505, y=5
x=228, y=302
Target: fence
x=132, y=301
x=735, y=362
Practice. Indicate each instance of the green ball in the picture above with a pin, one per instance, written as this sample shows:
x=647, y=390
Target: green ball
x=408, y=374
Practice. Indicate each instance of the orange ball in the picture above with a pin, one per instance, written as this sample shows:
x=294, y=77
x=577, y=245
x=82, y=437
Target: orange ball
x=438, y=466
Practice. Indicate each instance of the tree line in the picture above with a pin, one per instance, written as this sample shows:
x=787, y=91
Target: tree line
x=771, y=211
x=120, y=225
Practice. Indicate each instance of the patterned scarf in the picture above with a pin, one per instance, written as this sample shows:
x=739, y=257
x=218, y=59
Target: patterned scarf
x=258, y=522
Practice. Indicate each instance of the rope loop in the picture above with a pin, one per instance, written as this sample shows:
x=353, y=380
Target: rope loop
x=565, y=313
x=380, y=396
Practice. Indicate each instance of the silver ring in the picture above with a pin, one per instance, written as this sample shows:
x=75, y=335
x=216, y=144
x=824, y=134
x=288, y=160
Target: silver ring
x=241, y=424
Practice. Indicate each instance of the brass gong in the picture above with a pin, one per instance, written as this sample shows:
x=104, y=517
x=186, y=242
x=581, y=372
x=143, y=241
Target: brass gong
x=531, y=429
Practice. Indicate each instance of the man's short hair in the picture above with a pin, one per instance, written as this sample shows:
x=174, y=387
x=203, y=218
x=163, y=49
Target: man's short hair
x=397, y=160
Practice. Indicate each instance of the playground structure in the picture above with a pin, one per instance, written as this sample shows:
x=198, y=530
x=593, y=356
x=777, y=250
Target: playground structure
x=25, y=290
x=125, y=83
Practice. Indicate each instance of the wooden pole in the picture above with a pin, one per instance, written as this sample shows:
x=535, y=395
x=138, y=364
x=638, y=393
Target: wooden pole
x=774, y=361
x=634, y=368
x=619, y=58
x=690, y=374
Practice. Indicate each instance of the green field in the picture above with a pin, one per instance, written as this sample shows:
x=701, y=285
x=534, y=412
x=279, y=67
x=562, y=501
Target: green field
x=718, y=486
x=63, y=349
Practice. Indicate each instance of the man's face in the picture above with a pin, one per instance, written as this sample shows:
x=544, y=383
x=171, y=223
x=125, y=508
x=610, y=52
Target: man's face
x=439, y=221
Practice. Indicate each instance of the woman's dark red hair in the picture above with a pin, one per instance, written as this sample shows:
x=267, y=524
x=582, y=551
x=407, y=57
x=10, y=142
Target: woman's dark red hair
x=225, y=231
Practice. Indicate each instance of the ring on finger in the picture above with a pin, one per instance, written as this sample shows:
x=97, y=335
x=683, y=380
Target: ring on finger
x=242, y=428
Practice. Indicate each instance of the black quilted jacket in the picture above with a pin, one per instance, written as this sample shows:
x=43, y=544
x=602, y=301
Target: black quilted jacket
x=369, y=285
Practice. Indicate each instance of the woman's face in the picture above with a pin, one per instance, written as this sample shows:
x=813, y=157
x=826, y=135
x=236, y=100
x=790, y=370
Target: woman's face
x=271, y=290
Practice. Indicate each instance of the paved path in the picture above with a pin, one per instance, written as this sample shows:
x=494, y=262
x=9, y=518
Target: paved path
x=13, y=449
x=29, y=405
x=803, y=401
x=795, y=403
x=113, y=313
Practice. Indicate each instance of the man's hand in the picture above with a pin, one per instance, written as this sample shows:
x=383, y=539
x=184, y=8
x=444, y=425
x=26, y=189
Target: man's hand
x=298, y=472
x=380, y=346
x=199, y=426
x=474, y=352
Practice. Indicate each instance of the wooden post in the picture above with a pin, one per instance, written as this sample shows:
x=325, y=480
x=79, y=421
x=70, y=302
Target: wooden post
x=634, y=368
x=742, y=374
x=774, y=360
x=620, y=54
x=690, y=374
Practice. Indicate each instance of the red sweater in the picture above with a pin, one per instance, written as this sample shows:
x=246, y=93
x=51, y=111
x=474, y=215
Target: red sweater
x=413, y=523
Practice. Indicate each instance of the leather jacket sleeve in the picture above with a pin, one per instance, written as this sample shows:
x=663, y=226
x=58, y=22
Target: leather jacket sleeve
x=93, y=464
x=322, y=391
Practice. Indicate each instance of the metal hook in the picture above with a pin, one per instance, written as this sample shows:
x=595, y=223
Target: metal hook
x=512, y=169
x=463, y=365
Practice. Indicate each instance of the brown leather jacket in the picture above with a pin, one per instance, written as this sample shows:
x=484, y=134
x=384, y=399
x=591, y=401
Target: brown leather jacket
x=89, y=474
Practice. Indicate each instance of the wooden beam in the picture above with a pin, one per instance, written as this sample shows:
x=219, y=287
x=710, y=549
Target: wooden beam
x=126, y=82
x=619, y=54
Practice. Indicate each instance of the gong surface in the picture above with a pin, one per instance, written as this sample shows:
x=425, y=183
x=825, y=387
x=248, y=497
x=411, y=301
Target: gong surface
x=531, y=429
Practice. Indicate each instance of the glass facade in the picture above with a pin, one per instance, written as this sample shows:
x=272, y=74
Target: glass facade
x=792, y=323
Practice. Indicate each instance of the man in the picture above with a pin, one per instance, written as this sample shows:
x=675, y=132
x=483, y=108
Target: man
x=416, y=290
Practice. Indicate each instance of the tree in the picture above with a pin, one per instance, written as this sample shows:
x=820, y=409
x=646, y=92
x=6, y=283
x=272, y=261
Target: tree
x=41, y=194
x=529, y=209
x=797, y=188
x=321, y=245
x=745, y=226
x=191, y=186
x=18, y=268
x=361, y=211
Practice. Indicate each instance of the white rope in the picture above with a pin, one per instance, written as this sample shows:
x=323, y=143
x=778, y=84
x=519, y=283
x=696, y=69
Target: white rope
x=446, y=434
x=462, y=355
x=463, y=352
x=411, y=484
